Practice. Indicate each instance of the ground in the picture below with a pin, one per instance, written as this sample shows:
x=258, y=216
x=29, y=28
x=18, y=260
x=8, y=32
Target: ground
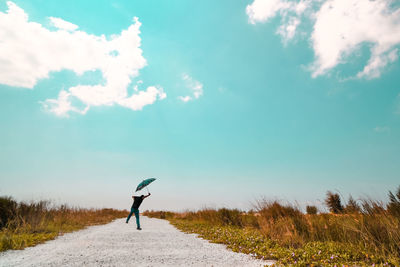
x=120, y=244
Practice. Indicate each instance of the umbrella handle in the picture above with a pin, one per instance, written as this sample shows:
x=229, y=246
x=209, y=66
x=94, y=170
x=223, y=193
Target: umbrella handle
x=147, y=190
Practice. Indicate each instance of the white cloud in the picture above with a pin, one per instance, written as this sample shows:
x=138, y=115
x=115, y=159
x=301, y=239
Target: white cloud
x=62, y=24
x=62, y=105
x=29, y=52
x=288, y=30
x=195, y=86
x=262, y=10
x=377, y=62
x=340, y=28
x=185, y=98
x=143, y=98
x=290, y=11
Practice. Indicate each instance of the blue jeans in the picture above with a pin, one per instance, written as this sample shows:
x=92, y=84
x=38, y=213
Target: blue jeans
x=136, y=211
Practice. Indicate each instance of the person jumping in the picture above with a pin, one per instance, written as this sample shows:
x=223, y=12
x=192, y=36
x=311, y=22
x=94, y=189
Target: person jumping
x=135, y=209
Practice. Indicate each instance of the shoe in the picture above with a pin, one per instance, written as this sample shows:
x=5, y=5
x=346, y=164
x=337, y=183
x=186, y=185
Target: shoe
x=126, y=222
x=139, y=228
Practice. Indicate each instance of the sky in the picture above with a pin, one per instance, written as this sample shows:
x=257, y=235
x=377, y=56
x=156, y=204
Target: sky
x=224, y=102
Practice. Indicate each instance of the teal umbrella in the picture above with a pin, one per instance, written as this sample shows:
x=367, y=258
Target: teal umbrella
x=144, y=183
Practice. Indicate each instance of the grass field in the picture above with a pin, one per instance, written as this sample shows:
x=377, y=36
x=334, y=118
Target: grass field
x=27, y=224
x=359, y=233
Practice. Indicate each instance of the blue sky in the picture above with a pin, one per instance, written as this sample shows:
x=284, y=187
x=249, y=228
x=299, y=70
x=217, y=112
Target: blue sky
x=223, y=101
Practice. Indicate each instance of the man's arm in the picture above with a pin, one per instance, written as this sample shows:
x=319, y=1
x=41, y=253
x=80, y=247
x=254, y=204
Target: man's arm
x=146, y=196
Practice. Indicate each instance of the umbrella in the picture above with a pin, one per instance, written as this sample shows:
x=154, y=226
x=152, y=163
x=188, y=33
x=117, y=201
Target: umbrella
x=144, y=183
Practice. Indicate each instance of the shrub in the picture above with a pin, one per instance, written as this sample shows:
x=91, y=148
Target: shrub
x=8, y=210
x=230, y=217
x=352, y=206
x=333, y=202
x=275, y=210
x=284, y=224
x=312, y=210
x=250, y=219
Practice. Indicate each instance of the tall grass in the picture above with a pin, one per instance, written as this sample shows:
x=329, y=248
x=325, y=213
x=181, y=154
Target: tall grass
x=25, y=224
x=368, y=228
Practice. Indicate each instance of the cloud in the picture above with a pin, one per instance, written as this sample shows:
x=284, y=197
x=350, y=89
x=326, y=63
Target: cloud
x=62, y=24
x=29, y=52
x=288, y=30
x=185, y=98
x=263, y=10
x=382, y=129
x=340, y=28
x=195, y=86
x=62, y=105
x=143, y=98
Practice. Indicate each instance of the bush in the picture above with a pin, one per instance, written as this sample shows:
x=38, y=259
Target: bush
x=333, y=202
x=284, y=224
x=312, y=210
x=276, y=210
x=352, y=206
x=230, y=217
x=8, y=210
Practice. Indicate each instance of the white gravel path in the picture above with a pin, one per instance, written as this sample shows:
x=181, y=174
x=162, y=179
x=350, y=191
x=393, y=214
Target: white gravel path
x=120, y=244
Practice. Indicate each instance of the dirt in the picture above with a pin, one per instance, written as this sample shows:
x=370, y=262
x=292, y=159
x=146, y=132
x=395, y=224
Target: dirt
x=120, y=244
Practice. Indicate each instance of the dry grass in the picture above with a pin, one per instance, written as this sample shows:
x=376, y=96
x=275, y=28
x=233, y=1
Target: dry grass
x=371, y=228
x=26, y=224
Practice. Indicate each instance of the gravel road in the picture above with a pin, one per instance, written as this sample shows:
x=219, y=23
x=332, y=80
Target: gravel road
x=120, y=244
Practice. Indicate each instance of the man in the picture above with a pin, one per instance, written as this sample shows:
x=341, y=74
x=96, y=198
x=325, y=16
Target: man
x=135, y=209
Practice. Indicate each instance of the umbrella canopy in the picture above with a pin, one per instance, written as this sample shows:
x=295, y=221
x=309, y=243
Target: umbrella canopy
x=144, y=183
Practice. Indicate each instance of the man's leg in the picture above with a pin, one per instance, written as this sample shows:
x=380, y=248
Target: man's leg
x=137, y=218
x=129, y=216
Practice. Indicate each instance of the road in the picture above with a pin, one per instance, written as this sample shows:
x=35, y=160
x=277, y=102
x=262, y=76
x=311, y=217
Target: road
x=120, y=244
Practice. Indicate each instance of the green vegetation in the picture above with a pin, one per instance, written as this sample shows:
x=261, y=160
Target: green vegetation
x=352, y=234
x=27, y=224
